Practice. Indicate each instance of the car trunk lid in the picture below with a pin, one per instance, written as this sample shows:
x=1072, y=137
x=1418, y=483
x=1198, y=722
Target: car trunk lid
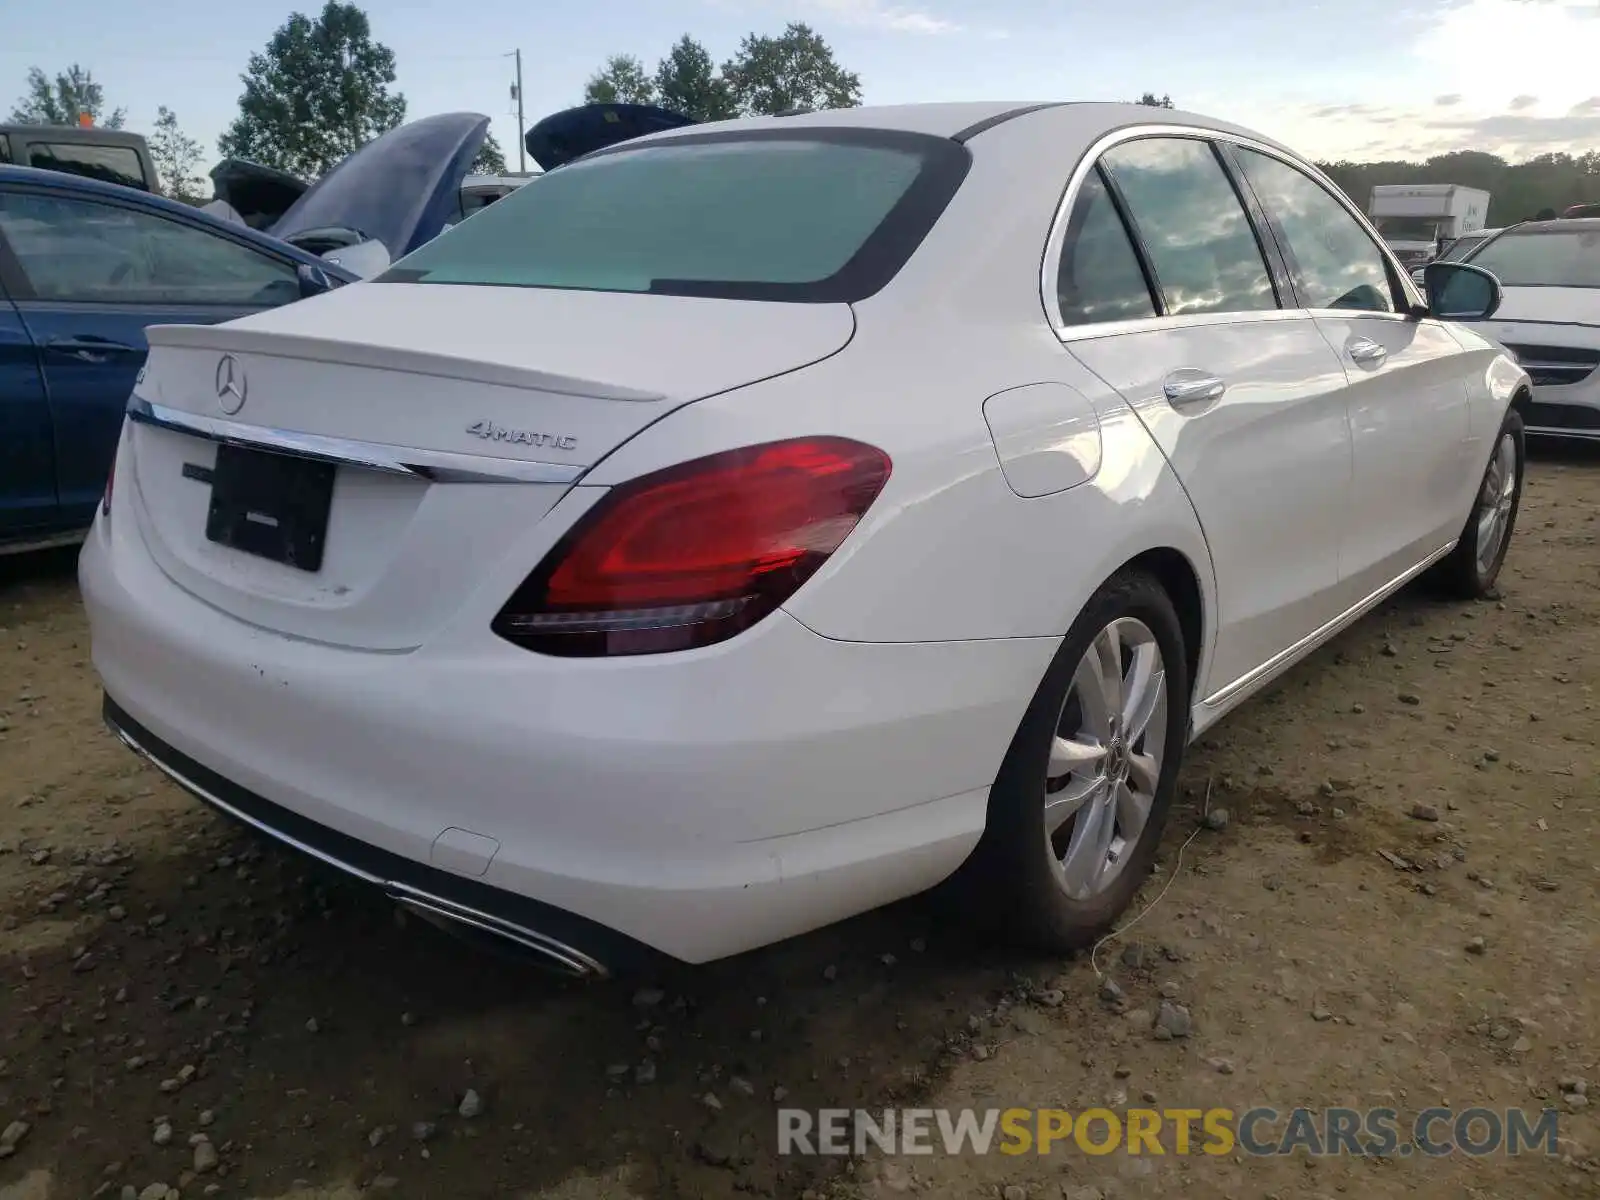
x=573, y=132
x=447, y=457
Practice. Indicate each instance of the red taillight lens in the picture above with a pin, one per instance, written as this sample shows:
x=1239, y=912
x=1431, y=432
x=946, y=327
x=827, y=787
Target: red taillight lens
x=693, y=554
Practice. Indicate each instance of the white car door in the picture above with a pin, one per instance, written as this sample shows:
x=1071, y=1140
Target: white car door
x=1410, y=410
x=1245, y=398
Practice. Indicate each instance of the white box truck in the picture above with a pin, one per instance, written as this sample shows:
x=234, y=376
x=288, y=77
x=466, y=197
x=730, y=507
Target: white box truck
x=1419, y=219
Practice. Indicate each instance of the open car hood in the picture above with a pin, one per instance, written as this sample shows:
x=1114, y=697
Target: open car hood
x=257, y=194
x=399, y=190
x=574, y=132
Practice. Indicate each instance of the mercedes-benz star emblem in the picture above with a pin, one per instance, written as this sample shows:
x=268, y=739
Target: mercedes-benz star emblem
x=231, y=385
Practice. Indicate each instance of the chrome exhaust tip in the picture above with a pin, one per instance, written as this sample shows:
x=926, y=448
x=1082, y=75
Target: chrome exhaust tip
x=543, y=950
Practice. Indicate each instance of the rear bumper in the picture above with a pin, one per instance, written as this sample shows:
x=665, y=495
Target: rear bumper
x=564, y=941
x=699, y=805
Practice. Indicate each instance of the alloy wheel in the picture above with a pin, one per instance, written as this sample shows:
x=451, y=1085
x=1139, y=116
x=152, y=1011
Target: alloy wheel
x=1495, y=502
x=1106, y=758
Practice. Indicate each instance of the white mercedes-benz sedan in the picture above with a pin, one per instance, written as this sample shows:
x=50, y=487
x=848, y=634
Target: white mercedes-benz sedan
x=1550, y=318
x=745, y=526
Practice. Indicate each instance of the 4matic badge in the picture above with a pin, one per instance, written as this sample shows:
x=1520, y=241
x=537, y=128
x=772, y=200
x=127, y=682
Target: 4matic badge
x=489, y=431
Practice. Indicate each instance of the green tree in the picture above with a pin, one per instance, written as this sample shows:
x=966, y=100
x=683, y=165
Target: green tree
x=59, y=101
x=622, y=80
x=318, y=92
x=491, y=159
x=1151, y=100
x=687, y=82
x=176, y=157
x=796, y=69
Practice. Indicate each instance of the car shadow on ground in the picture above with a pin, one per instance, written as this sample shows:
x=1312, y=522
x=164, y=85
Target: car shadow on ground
x=1565, y=451
x=38, y=566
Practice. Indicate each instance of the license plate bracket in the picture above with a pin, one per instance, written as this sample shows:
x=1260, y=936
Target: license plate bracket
x=274, y=506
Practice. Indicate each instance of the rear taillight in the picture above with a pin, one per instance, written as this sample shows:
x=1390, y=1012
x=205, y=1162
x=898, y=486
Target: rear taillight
x=694, y=554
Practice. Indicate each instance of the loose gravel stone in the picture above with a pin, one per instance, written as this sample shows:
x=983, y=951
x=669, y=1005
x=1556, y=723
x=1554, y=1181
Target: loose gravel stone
x=205, y=1158
x=11, y=1137
x=1172, y=1021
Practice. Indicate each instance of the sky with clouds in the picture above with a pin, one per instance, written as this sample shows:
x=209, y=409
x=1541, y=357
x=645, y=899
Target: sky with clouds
x=1357, y=79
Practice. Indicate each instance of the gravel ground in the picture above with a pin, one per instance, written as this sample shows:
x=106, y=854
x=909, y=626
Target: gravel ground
x=182, y=1008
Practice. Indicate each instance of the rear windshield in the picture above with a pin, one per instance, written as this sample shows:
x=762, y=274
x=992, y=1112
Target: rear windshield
x=1568, y=258
x=110, y=164
x=794, y=215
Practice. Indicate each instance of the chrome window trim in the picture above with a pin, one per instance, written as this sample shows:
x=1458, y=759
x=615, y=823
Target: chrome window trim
x=1051, y=262
x=437, y=466
x=1101, y=329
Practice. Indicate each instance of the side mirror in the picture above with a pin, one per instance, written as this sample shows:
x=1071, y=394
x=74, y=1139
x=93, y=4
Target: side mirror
x=313, y=281
x=1460, y=291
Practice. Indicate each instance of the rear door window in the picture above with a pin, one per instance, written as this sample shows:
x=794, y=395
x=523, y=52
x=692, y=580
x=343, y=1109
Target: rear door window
x=1100, y=278
x=86, y=251
x=1192, y=225
x=110, y=164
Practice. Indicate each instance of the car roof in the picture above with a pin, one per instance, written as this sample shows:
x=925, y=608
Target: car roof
x=66, y=182
x=1560, y=225
x=78, y=133
x=965, y=120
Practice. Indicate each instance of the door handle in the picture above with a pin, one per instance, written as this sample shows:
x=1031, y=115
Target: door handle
x=1188, y=387
x=89, y=348
x=1365, y=350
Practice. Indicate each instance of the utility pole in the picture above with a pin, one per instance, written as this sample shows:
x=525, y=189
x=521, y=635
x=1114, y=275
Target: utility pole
x=516, y=90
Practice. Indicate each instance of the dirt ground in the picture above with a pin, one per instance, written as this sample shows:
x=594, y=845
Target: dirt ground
x=164, y=979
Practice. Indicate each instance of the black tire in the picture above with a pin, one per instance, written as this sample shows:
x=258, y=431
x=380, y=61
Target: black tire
x=1010, y=882
x=1461, y=575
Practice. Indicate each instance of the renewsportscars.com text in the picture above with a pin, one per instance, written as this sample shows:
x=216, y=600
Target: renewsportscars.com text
x=1260, y=1132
